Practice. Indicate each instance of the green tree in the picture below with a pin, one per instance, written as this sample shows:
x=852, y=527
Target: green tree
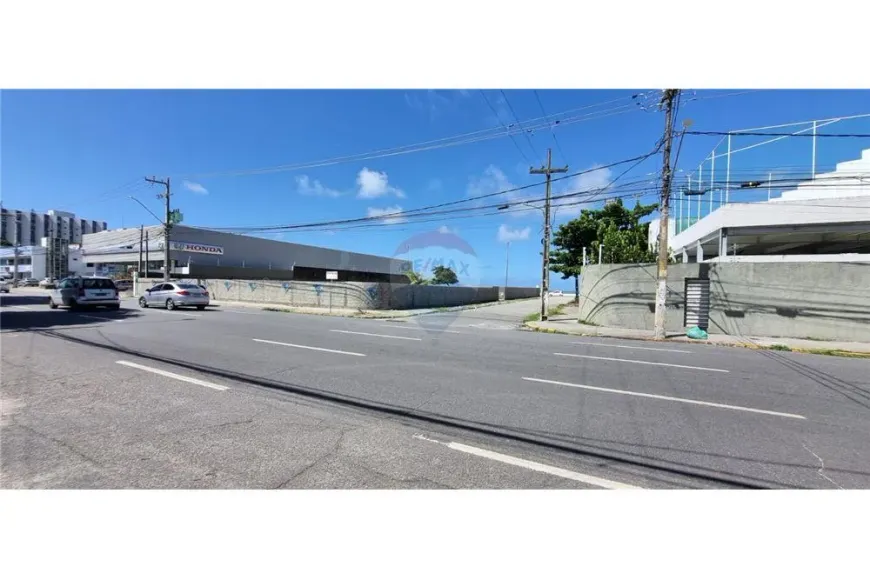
x=617, y=228
x=568, y=241
x=416, y=278
x=443, y=275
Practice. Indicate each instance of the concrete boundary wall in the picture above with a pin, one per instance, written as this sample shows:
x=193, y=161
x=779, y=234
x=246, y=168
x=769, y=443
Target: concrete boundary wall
x=354, y=295
x=829, y=301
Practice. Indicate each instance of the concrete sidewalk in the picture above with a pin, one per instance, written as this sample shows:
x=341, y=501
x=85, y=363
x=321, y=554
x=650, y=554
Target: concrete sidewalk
x=564, y=325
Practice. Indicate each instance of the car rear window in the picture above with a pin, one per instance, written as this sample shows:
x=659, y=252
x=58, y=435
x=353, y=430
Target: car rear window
x=98, y=284
x=189, y=286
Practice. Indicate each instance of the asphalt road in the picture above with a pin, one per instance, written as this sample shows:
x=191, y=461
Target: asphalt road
x=261, y=399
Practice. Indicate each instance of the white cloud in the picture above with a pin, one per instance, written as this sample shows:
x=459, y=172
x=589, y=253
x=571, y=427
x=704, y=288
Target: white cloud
x=373, y=184
x=380, y=211
x=506, y=234
x=591, y=188
x=195, y=187
x=448, y=230
x=431, y=102
x=494, y=180
x=305, y=186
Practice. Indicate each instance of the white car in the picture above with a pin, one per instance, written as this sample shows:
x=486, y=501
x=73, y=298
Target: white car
x=557, y=293
x=4, y=286
x=83, y=292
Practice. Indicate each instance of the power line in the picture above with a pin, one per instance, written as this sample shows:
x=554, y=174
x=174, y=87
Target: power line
x=764, y=134
x=498, y=118
x=517, y=119
x=553, y=133
x=406, y=213
x=461, y=139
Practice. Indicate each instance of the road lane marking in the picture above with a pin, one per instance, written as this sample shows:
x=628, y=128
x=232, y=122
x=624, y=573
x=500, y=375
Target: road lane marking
x=103, y=318
x=412, y=327
x=640, y=362
x=665, y=398
x=634, y=347
x=173, y=375
x=378, y=335
x=307, y=347
x=21, y=307
x=170, y=312
x=532, y=465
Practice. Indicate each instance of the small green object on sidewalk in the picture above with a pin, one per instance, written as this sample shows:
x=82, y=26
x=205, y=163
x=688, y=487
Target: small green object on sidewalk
x=697, y=333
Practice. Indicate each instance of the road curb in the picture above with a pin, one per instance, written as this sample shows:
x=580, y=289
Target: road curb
x=747, y=345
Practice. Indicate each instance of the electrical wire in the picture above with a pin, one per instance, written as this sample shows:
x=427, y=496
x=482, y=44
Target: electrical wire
x=507, y=131
x=553, y=133
x=766, y=134
x=517, y=119
x=462, y=139
x=406, y=213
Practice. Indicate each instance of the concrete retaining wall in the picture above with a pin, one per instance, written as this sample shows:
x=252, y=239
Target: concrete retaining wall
x=354, y=295
x=828, y=301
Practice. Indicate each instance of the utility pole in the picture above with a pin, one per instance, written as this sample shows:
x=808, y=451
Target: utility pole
x=147, y=259
x=167, y=224
x=667, y=101
x=15, y=264
x=545, y=274
x=141, y=242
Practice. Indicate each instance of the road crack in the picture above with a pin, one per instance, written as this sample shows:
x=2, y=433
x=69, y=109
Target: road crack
x=335, y=448
x=59, y=442
x=821, y=470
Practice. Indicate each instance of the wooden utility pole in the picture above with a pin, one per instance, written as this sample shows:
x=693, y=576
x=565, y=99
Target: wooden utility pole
x=545, y=274
x=141, y=244
x=667, y=102
x=167, y=224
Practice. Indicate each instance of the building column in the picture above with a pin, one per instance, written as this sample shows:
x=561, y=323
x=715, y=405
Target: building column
x=723, y=242
x=699, y=252
x=685, y=256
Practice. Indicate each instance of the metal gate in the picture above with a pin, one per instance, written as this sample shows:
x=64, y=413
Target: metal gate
x=697, y=303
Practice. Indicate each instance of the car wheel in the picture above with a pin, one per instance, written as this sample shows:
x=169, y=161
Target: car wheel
x=200, y=307
x=51, y=304
x=142, y=302
x=170, y=305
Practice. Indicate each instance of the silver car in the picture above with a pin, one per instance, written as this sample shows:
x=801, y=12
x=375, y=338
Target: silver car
x=172, y=295
x=84, y=292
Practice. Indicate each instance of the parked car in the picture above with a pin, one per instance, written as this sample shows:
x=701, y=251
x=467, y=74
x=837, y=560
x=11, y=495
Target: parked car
x=172, y=295
x=557, y=293
x=84, y=292
x=28, y=282
x=47, y=283
x=4, y=286
x=123, y=285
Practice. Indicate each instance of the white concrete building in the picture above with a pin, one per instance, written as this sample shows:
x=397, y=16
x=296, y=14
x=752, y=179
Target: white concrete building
x=27, y=228
x=826, y=218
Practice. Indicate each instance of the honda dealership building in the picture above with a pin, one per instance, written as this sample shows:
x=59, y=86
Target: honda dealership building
x=203, y=253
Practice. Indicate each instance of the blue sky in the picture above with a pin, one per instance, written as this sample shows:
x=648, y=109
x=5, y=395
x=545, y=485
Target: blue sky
x=71, y=150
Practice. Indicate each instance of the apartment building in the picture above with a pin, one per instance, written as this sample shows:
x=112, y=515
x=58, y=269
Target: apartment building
x=27, y=228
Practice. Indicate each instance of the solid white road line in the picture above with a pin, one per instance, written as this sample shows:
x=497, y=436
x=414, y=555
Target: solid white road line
x=170, y=312
x=414, y=327
x=378, y=335
x=22, y=307
x=665, y=398
x=634, y=347
x=532, y=465
x=640, y=362
x=307, y=347
x=103, y=318
x=173, y=375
